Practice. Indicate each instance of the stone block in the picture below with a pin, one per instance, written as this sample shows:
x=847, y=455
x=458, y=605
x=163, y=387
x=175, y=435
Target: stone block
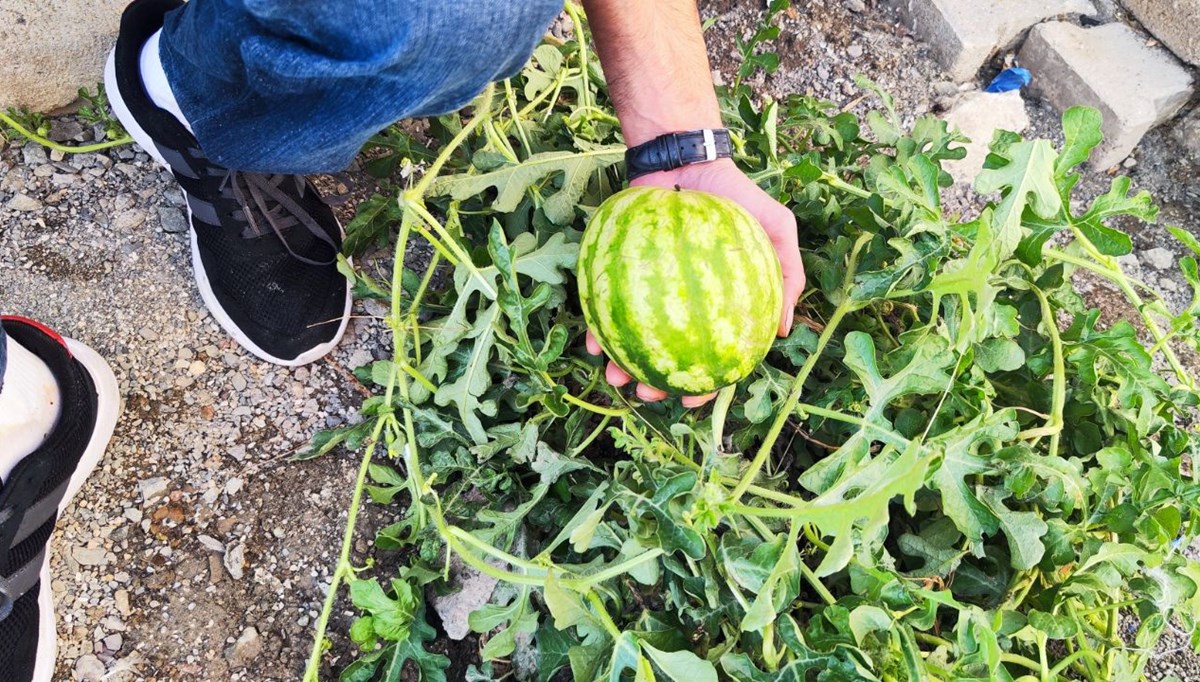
x=964, y=34
x=978, y=115
x=51, y=48
x=1111, y=68
x=1174, y=22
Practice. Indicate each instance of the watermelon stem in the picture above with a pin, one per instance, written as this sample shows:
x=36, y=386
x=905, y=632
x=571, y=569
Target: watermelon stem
x=848, y=304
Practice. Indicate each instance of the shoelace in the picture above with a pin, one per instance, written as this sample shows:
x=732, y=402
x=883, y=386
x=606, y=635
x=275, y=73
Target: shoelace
x=263, y=198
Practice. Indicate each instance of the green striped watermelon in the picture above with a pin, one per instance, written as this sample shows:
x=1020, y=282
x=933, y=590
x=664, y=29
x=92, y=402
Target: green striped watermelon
x=682, y=289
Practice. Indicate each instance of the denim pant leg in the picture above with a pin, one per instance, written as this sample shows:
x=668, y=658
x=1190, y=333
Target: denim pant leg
x=297, y=86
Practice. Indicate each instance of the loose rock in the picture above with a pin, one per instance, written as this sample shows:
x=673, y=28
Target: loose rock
x=89, y=669
x=247, y=648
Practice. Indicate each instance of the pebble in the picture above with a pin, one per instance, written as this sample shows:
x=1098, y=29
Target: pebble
x=945, y=88
x=89, y=669
x=113, y=642
x=90, y=556
x=211, y=543
x=235, y=561
x=128, y=220
x=64, y=130
x=1158, y=258
x=856, y=6
x=152, y=488
x=172, y=220
x=246, y=649
x=854, y=51
x=24, y=203
x=215, y=570
x=122, y=602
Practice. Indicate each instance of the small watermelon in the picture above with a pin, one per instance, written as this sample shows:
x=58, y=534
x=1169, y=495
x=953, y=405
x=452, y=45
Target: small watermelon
x=682, y=289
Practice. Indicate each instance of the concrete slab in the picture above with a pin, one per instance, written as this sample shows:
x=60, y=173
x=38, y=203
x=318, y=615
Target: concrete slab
x=964, y=34
x=1111, y=68
x=978, y=115
x=51, y=48
x=1174, y=22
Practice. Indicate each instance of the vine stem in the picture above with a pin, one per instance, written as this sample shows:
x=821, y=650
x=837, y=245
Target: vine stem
x=1054, y=426
x=785, y=411
x=482, y=112
x=1111, y=270
x=69, y=149
x=397, y=379
x=343, y=565
x=585, y=95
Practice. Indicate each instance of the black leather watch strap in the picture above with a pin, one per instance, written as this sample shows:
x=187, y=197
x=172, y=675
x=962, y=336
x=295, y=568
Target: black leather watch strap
x=674, y=150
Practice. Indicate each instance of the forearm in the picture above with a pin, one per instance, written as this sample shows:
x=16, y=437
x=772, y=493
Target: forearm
x=656, y=65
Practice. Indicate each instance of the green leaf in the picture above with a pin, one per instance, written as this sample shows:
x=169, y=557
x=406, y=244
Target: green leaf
x=674, y=535
x=468, y=389
x=1053, y=625
x=553, y=647
x=325, y=441
x=518, y=616
x=797, y=345
x=858, y=506
x=566, y=607
x=626, y=655
x=999, y=355
x=867, y=619
x=1023, y=530
x=512, y=182
x=1118, y=202
x=778, y=589
x=936, y=546
x=962, y=458
x=391, y=618
x=922, y=373
x=1123, y=556
x=1107, y=241
x=393, y=483
x=681, y=666
x=1026, y=180
x=1081, y=128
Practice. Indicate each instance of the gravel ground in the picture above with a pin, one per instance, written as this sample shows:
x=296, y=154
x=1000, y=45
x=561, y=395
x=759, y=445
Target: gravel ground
x=197, y=552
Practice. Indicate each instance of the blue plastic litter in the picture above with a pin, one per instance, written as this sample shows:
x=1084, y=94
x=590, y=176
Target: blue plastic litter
x=1009, y=79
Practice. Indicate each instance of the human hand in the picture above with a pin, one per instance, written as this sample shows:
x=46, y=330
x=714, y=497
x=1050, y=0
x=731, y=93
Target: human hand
x=723, y=178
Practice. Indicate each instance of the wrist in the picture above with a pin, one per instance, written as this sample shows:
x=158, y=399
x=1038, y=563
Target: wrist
x=639, y=128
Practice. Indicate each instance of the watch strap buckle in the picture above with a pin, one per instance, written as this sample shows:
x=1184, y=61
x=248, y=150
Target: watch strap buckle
x=710, y=145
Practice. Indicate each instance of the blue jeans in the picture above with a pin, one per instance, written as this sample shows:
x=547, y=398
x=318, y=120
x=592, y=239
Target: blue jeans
x=297, y=86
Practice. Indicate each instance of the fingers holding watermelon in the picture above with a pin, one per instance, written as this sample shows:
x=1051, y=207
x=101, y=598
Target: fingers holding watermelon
x=618, y=377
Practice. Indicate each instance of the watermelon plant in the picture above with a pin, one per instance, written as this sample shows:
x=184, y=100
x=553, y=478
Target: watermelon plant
x=952, y=469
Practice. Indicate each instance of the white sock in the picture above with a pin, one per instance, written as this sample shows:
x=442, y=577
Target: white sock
x=30, y=403
x=155, y=79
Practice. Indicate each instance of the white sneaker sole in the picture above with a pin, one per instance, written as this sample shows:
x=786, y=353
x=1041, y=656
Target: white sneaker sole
x=109, y=408
x=206, y=293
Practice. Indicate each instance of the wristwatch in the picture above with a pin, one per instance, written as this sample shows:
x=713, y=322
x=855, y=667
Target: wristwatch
x=674, y=150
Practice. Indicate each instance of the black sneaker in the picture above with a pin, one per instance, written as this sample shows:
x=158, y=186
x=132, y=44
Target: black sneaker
x=39, y=488
x=264, y=247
